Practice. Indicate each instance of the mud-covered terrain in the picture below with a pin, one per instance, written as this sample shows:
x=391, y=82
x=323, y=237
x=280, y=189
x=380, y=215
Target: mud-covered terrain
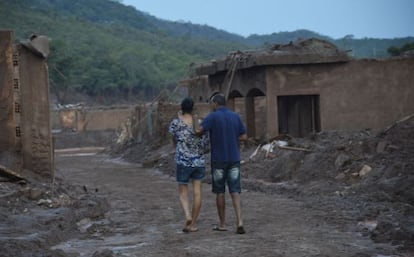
x=332, y=194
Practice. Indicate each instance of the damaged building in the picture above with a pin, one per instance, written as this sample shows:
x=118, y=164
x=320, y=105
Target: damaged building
x=308, y=86
x=25, y=140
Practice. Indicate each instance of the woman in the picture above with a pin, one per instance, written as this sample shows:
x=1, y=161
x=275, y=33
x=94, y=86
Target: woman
x=190, y=160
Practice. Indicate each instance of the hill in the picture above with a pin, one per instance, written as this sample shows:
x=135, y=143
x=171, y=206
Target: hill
x=112, y=52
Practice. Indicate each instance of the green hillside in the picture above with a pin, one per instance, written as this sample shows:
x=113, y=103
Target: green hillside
x=113, y=52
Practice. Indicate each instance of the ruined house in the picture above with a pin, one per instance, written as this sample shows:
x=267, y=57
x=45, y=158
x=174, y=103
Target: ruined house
x=25, y=138
x=308, y=86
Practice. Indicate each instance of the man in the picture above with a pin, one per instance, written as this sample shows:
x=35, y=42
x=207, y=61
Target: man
x=226, y=129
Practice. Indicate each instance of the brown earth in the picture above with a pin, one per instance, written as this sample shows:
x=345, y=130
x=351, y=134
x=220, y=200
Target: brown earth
x=295, y=203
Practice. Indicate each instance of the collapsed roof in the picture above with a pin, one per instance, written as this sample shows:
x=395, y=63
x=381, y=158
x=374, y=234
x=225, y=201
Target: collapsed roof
x=309, y=51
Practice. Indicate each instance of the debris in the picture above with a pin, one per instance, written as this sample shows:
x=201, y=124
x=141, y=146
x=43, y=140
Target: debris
x=406, y=118
x=84, y=224
x=365, y=170
x=254, y=153
x=45, y=202
x=11, y=175
x=34, y=194
x=381, y=146
x=103, y=253
x=38, y=45
x=340, y=176
x=268, y=148
x=355, y=174
x=294, y=148
x=370, y=225
x=341, y=160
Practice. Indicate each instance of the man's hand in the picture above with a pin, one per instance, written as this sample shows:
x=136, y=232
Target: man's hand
x=243, y=137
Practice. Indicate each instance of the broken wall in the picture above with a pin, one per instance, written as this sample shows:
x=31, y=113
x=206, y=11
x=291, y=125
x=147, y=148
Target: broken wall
x=90, y=119
x=25, y=138
x=198, y=88
x=361, y=94
x=352, y=95
x=36, y=135
x=10, y=147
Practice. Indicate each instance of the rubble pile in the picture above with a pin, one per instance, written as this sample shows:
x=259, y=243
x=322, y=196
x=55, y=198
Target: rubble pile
x=34, y=216
x=365, y=178
x=368, y=178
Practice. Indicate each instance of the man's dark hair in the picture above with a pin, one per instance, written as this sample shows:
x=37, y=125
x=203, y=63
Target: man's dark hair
x=219, y=99
x=187, y=105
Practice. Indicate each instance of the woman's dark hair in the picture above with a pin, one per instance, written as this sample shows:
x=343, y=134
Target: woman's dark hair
x=187, y=105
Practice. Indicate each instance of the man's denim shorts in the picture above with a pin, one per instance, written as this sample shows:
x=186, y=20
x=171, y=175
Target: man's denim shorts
x=226, y=172
x=185, y=173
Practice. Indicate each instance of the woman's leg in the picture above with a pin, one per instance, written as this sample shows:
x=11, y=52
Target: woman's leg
x=197, y=189
x=183, y=192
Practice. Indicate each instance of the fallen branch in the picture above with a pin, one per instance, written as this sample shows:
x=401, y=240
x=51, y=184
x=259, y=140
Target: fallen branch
x=398, y=122
x=255, y=152
x=294, y=148
x=8, y=173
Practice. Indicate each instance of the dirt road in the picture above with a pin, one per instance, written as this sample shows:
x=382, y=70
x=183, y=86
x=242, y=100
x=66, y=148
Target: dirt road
x=145, y=219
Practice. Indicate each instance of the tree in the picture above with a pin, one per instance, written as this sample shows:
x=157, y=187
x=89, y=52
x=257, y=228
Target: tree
x=395, y=51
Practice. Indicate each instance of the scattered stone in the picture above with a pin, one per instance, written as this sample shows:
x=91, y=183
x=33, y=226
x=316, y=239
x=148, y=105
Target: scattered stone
x=365, y=170
x=393, y=147
x=341, y=160
x=340, y=176
x=103, y=253
x=45, y=202
x=355, y=174
x=84, y=224
x=370, y=225
x=381, y=146
x=35, y=194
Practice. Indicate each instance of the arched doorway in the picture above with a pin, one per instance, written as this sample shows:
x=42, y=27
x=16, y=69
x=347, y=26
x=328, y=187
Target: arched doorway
x=231, y=99
x=255, y=104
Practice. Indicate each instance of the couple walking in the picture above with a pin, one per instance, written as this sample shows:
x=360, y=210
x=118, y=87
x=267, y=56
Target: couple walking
x=223, y=128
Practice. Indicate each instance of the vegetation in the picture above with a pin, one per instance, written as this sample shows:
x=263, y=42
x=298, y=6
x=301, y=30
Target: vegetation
x=396, y=51
x=109, y=51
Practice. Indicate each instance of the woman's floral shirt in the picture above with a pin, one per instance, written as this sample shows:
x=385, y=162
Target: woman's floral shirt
x=190, y=147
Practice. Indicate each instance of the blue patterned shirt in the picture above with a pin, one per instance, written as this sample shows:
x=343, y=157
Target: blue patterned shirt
x=190, y=148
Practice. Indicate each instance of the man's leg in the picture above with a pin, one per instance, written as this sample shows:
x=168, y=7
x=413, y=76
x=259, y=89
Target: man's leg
x=235, y=197
x=235, y=189
x=221, y=209
x=219, y=188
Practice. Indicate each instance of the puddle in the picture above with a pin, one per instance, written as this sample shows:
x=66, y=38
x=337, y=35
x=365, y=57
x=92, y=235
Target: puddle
x=83, y=151
x=123, y=245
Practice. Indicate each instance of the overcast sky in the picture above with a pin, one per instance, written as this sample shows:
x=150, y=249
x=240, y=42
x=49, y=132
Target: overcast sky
x=334, y=18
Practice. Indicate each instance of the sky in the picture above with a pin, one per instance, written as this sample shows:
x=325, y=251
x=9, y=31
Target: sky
x=334, y=18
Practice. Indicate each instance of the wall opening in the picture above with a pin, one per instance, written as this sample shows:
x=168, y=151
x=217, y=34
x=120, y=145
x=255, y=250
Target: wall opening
x=253, y=118
x=298, y=115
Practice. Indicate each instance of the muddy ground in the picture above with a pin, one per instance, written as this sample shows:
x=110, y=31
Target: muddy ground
x=319, y=202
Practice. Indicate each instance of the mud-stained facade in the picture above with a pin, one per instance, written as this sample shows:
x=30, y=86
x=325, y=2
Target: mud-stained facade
x=141, y=122
x=10, y=143
x=25, y=139
x=309, y=86
x=79, y=119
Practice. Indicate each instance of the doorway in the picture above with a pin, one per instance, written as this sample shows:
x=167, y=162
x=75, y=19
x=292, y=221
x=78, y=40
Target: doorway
x=298, y=115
